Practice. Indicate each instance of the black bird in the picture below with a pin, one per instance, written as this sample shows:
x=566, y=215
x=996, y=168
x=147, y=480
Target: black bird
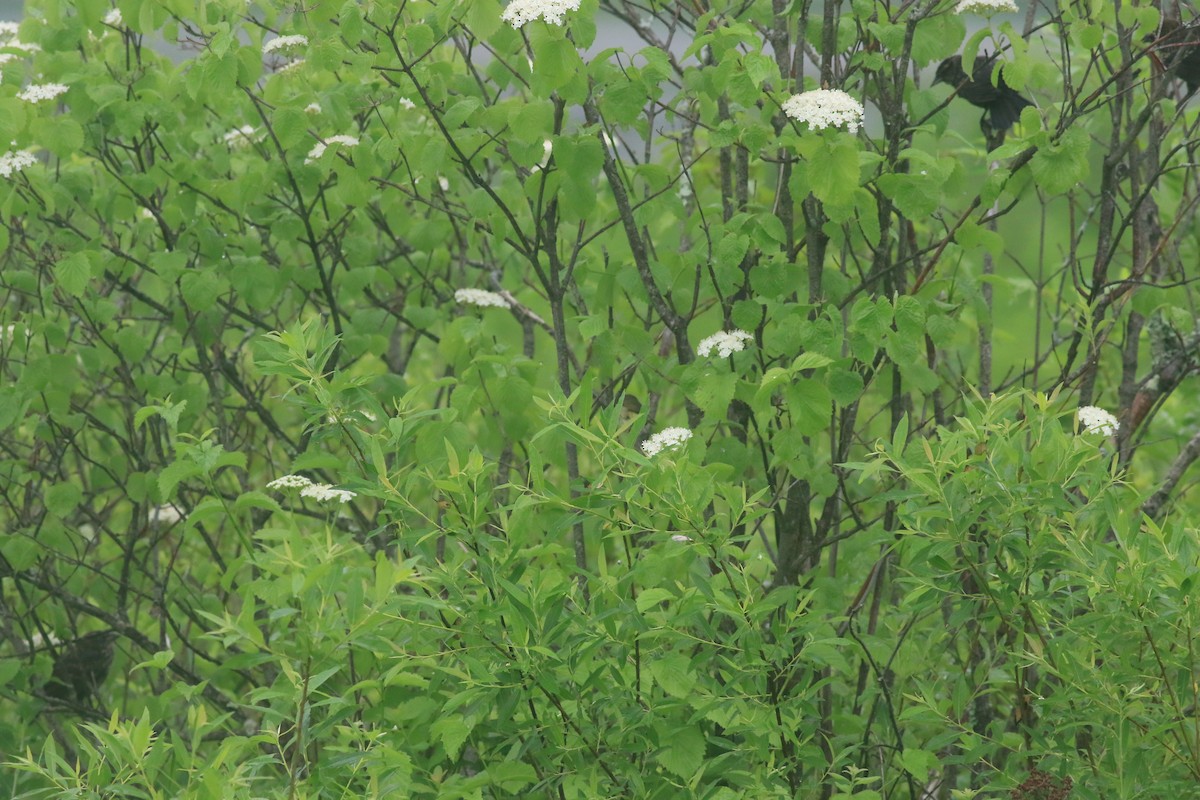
x=1178, y=48
x=1000, y=103
x=81, y=666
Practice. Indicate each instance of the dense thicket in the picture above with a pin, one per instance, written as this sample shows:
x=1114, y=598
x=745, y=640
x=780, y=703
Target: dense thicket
x=449, y=274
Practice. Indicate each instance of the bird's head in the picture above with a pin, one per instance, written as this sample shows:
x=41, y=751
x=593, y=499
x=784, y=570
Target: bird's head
x=950, y=72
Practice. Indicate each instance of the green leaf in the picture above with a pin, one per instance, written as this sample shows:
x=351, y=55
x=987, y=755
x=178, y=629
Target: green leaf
x=833, y=171
x=673, y=673
x=255, y=499
x=9, y=668
x=350, y=22
x=714, y=392
x=684, y=754
x=172, y=474
x=19, y=551
x=512, y=776
x=845, y=386
x=63, y=498
x=290, y=126
x=452, y=730
x=555, y=63
x=811, y=361
x=919, y=763
x=870, y=320
x=652, y=597
x=915, y=195
x=73, y=273
x=200, y=288
x=12, y=118
x=731, y=250
x=760, y=68
x=60, y=135
x=810, y=404
x=1061, y=165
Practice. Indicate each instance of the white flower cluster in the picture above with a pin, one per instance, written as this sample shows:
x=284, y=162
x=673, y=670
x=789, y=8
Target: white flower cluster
x=481, y=297
x=323, y=491
x=290, y=66
x=284, y=43
x=406, y=104
x=290, y=482
x=13, y=162
x=665, y=439
x=319, y=148
x=317, y=491
x=312, y=108
x=8, y=38
x=239, y=138
x=986, y=7
x=37, y=92
x=1097, y=420
x=681, y=538
x=113, y=18
x=725, y=343
x=822, y=108
x=519, y=12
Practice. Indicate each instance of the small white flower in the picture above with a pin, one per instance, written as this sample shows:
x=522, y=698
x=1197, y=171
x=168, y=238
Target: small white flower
x=162, y=516
x=291, y=66
x=312, y=108
x=284, y=43
x=664, y=439
x=1097, y=420
x=822, y=108
x=145, y=213
x=520, y=12
x=725, y=343
x=679, y=537
x=37, y=92
x=8, y=30
x=323, y=491
x=319, y=148
x=113, y=18
x=7, y=57
x=239, y=138
x=28, y=47
x=986, y=7
x=13, y=162
x=406, y=104
x=445, y=184
x=481, y=297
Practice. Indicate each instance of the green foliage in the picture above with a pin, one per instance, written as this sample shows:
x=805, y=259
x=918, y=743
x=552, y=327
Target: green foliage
x=443, y=409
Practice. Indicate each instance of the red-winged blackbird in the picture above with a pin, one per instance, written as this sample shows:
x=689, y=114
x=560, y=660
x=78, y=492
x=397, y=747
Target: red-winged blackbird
x=1000, y=103
x=81, y=666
